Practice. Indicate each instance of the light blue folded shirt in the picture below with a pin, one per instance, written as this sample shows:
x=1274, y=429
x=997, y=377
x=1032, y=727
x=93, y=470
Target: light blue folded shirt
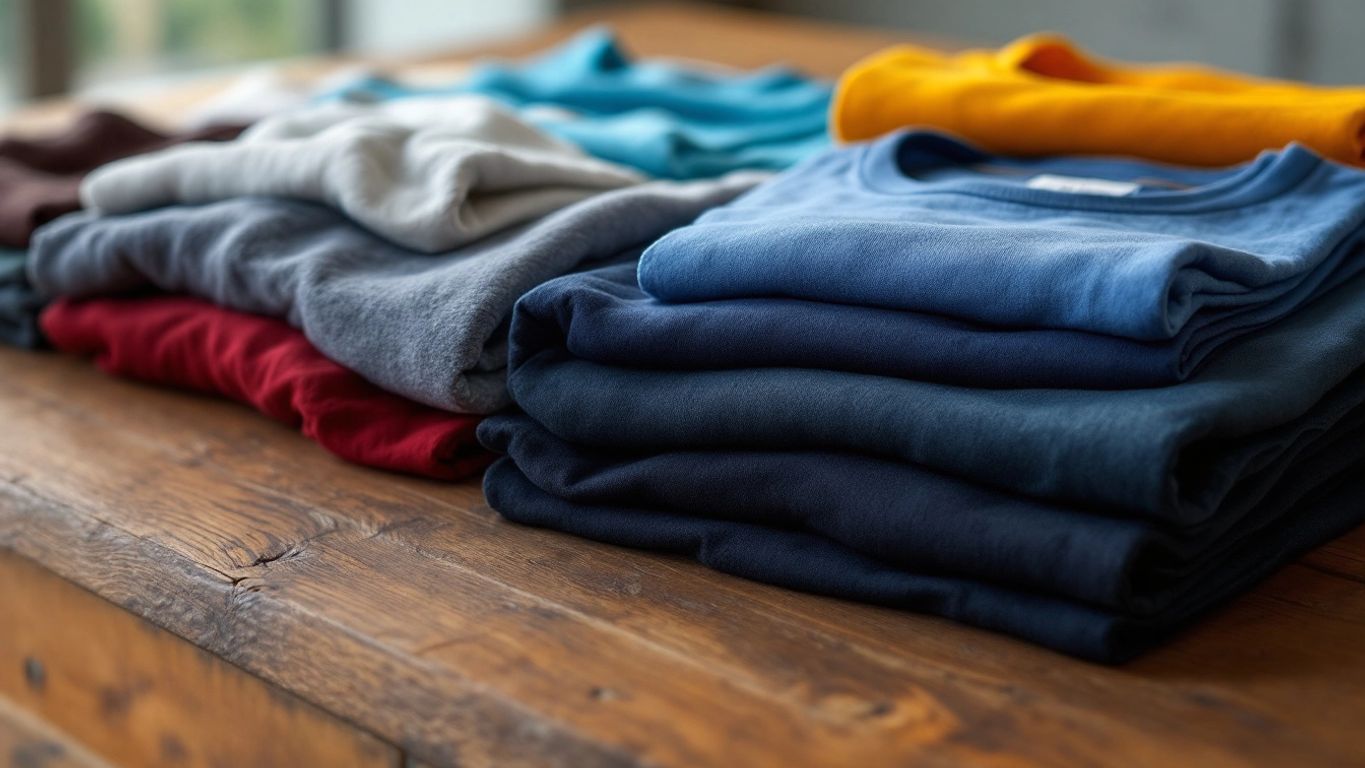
x=663, y=118
x=919, y=221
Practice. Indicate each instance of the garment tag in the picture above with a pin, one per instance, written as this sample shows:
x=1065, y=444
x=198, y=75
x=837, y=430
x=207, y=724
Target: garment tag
x=1079, y=185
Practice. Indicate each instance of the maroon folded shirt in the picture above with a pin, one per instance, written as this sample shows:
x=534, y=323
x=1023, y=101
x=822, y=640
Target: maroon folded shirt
x=40, y=178
x=192, y=344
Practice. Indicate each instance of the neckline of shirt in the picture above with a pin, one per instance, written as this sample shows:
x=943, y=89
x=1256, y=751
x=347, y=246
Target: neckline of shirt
x=888, y=166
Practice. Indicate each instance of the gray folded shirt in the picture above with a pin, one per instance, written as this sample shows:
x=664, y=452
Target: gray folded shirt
x=429, y=327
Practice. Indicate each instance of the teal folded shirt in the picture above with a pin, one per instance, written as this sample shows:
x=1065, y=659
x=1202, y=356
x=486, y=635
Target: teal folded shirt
x=919, y=221
x=668, y=120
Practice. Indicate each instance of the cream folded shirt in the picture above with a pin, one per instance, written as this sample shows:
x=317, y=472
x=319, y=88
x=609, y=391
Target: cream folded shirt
x=429, y=174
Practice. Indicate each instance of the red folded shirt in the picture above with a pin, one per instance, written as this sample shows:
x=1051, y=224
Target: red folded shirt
x=192, y=344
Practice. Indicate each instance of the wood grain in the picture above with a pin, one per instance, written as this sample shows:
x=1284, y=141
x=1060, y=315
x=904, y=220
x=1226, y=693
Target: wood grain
x=28, y=742
x=410, y=609
x=137, y=695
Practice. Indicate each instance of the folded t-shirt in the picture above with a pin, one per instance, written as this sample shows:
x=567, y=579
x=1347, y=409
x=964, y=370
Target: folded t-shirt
x=745, y=515
x=922, y=222
x=191, y=344
x=19, y=303
x=40, y=180
x=1176, y=453
x=667, y=119
x=430, y=174
x=1041, y=95
x=429, y=327
x=914, y=518
x=40, y=176
x=603, y=316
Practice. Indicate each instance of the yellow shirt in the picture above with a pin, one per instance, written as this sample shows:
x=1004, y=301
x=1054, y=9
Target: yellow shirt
x=1040, y=95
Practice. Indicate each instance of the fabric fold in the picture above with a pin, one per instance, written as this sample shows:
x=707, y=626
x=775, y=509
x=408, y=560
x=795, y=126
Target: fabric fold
x=19, y=303
x=913, y=518
x=676, y=120
x=1042, y=95
x=428, y=174
x=604, y=317
x=40, y=180
x=190, y=344
x=1169, y=453
x=919, y=221
x=799, y=560
x=40, y=176
x=429, y=327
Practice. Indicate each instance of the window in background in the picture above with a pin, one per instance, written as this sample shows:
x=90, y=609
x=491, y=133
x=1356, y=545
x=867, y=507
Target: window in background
x=430, y=26
x=120, y=40
x=8, y=43
x=115, y=48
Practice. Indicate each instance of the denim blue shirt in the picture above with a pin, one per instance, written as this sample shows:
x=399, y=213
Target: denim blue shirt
x=920, y=221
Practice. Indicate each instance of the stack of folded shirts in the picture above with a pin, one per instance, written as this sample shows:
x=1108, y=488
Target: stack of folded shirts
x=40, y=179
x=1079, y=400
x=342, y=253
x=1009, y=378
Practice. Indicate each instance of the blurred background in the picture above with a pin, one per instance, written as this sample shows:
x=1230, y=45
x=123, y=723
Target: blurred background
x=100, y=46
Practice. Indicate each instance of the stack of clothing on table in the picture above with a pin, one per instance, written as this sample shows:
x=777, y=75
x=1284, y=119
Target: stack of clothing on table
x=40, y=180
x=999, y=362
x=350, y=266
x=1079, y=399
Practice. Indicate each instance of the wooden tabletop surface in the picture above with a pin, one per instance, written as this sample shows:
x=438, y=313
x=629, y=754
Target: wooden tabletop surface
x=412, y=611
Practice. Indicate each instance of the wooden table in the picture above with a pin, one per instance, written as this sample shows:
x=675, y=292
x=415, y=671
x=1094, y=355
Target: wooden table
x=186, y=583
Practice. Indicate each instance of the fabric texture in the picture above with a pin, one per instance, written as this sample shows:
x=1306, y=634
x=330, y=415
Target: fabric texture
x=40, y=176
x=40, y=180
x=603, y=316
x=670, y=120
x=744, y=514
x=1175, y=453
x=912, y=518
x=1042, y=95
x=19, y=302
x=1097, y=523
x=429, y=174
x=919, y=221
x=191, y=344
x=430, y=328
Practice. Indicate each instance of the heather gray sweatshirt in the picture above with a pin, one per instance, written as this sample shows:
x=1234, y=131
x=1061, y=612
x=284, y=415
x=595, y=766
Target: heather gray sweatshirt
x=428, y=174
x=430, y=327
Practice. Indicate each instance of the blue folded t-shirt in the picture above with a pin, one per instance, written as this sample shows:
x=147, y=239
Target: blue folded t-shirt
x=919, y=221
x=604, y=317
x=664, y=118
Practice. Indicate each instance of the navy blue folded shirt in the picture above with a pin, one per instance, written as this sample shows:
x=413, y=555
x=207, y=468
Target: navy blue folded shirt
x=794, y=556
x=916, y=519
x=604, y=317
x=918, y=221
